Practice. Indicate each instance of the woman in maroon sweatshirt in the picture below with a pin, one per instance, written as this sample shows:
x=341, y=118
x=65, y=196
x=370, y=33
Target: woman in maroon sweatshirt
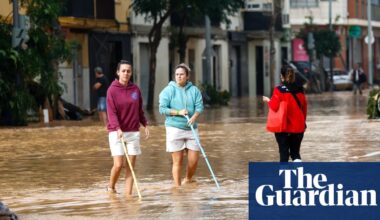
x=289, y=141
x=125, y=114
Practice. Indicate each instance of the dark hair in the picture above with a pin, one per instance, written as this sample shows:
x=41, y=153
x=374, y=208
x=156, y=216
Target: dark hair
x=185, y=67
x=288, y=74
x=123, y=62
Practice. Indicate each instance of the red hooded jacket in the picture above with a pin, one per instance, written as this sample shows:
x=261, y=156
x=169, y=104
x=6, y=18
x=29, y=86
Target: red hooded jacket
x=296, y=116
x=124, y=107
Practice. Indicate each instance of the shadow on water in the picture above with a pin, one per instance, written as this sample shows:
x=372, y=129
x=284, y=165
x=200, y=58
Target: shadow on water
x=61, y=171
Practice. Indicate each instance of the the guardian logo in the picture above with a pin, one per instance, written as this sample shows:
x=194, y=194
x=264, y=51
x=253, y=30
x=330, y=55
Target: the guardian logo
x=311, y=190
x=314, y=190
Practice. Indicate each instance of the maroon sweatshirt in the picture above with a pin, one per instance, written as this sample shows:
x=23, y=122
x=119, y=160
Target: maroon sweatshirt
x=124, y=107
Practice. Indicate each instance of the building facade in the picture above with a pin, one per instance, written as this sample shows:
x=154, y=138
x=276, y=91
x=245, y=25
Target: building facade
x=350, y=22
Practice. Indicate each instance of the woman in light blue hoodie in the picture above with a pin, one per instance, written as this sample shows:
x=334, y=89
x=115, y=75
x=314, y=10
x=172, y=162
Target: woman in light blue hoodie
x=178, y=99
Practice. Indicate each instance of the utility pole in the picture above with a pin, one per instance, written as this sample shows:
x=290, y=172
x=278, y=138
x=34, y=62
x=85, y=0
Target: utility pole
x=331, y=57
x=16, y=23
x=15, y=32
x=369, y=37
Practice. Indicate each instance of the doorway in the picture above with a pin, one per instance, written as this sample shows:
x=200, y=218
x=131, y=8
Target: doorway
x=106, y=50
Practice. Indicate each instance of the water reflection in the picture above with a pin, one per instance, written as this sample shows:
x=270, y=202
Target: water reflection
x=61, y=171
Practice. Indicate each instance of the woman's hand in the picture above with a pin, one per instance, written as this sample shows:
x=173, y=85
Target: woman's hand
x=193, y=118
x=265, y=99
x=183, y=112
x=119, y=134
x=146, y=132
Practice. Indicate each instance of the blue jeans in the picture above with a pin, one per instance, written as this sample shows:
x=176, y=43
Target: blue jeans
x=102, y=104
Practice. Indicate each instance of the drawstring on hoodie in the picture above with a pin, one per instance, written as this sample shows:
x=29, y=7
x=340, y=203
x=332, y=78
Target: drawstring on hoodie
x=184, y=90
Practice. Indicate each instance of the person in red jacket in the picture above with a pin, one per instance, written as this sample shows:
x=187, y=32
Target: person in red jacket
x=289, y=141
x=125, y=114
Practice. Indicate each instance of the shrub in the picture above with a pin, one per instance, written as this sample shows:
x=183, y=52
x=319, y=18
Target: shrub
x=211, y=96
x=372, y=105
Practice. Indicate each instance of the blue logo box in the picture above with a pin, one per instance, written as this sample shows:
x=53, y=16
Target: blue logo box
x=308, y=190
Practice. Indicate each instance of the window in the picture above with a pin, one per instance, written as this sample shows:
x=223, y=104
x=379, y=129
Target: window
x=285, y=19
x=267, y=6
x=102, y=9
x=304, y=3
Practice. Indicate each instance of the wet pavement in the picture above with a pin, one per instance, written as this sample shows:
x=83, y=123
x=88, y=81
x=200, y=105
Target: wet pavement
x=61, y=171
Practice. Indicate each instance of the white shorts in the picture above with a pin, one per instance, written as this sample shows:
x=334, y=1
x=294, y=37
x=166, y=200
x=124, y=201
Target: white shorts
x=179, y=139
x=132, y=140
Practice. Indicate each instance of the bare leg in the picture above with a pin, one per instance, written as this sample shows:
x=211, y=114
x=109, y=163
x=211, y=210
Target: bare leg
x=103, y=117
x=128, y=175
x=115, y=171
x=192, y=163
x=177, y=158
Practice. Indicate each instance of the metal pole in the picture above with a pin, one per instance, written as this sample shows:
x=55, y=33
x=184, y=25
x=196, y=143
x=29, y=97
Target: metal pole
x=203, y=153
x=16, y=26
x=207, y=74
x=331, y=57
x=16, y=22
x=370, y=73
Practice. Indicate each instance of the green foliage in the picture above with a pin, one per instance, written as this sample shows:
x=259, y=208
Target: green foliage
x=372, y=105
x=158, y=11
x=216, y=9
x=212, y=96
x=326, y=42
x=19, y=68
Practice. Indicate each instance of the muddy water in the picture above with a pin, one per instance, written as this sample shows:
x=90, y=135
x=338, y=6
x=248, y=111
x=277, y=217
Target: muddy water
x=60, y=171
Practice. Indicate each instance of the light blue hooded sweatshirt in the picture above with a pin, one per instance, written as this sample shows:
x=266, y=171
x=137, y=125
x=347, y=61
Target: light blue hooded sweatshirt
x=178, y=98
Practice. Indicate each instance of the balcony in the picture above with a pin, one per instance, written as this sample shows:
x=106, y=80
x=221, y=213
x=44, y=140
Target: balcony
x=93, y=9
x=260, y=21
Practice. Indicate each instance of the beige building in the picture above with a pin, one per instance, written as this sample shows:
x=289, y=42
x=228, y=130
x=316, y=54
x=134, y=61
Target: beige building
x=102, y=35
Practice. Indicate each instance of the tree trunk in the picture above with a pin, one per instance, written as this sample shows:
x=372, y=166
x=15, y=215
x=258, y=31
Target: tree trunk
x=154, y=41
x=272, y=60
x=182, y=40
x=152, y=76
x=272, y=50
x=182, y=47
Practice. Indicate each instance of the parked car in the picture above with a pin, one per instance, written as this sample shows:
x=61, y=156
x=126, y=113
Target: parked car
x=342, y=80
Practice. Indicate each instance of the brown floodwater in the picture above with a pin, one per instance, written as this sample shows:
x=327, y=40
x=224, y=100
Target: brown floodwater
x=60, y=171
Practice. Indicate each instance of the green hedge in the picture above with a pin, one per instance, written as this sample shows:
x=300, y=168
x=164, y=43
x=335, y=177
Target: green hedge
x=211, y=96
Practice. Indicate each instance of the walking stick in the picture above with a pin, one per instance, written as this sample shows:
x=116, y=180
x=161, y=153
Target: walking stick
x=130, y=167
x=203, y=152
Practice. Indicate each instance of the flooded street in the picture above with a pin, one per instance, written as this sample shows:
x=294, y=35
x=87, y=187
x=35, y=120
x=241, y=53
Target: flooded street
x=61, y=171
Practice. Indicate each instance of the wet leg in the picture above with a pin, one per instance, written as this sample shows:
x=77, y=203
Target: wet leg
x=177, y=158
x=128, y=175
x=115, y=171
x=103, y=117
x=192, y=163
